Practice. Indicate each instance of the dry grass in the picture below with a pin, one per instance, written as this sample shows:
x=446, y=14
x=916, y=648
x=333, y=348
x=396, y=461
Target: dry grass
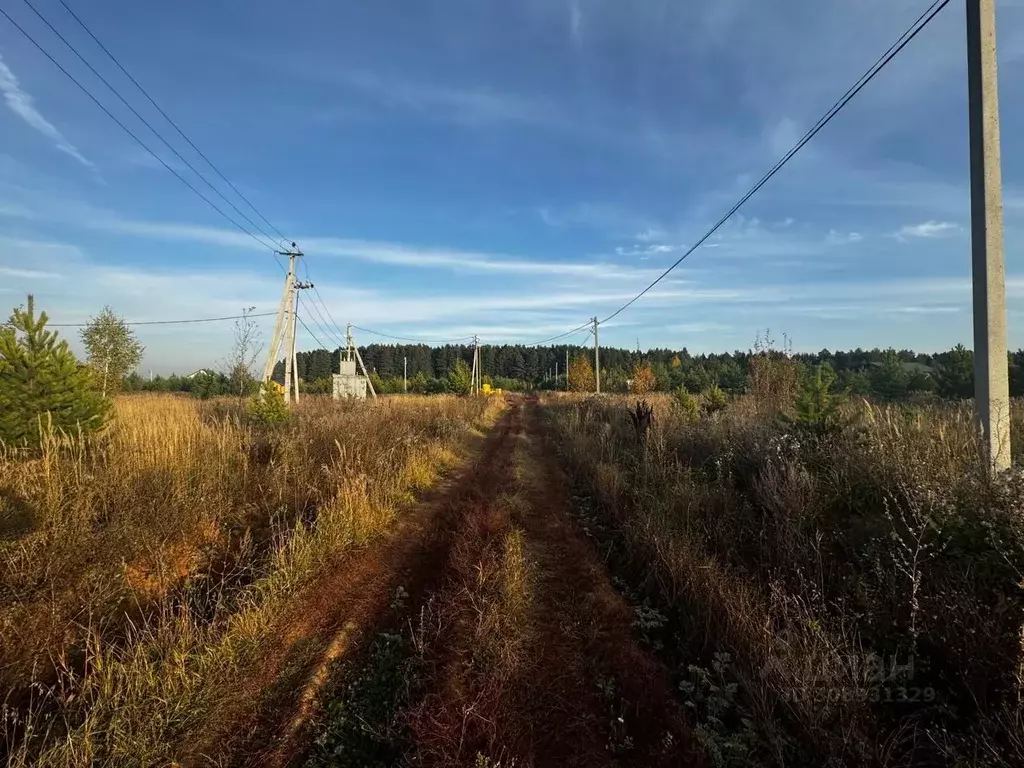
x=809, y=558
x=140, y=573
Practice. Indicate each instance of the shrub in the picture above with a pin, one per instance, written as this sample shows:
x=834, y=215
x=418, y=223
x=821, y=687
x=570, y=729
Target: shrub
x=268, y=408
x=41, y=384
x=713, y=399
x=685, y=404
x=817, y=408
x=460, y=378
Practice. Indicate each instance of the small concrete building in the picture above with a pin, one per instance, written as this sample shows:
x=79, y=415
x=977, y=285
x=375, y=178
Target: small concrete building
x=348, y=383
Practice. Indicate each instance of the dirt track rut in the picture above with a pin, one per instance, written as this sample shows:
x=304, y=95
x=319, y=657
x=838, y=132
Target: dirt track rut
x=531, y=657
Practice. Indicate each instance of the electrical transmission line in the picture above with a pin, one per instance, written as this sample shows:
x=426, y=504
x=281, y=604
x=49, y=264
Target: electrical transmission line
x=170, y=322
x=149, y=125
x=174, y=125
x=559, y=336
x=323, y=325
x=303, y=324
x=131, y=133
x=414, y=341
x=872, y=72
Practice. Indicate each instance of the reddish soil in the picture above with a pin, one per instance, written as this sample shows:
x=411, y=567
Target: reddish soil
x=567, y=684
x=331, y=617
x=582, y=691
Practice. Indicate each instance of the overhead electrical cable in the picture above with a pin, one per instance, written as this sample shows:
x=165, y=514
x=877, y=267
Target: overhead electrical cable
x=913, y=31
x=414, y=341
x=174, y=125
x=272, y=245
x=129, y=131
x=170, y=322
x=303, y=324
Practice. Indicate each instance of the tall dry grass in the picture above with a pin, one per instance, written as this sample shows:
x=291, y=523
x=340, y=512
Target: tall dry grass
x=140, y=572
x=812, y=559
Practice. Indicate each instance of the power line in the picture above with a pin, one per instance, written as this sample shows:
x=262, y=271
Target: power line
x=303, y=324
x=169, y=322
x=836, y=108
x=316, y=292
x=559, y=336
x=323, y=323
x=414, y=341
x=146, y=122
x=127, y=130
x=167, y=117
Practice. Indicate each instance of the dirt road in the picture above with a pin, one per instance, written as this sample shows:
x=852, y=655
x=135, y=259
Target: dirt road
x=526, y=655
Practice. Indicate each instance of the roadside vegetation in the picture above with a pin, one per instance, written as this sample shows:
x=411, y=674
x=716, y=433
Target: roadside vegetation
x=680, y=573
x=846, y=573
x=143, y=570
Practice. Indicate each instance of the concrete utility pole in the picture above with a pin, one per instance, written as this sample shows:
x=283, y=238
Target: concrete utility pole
x=405, y=375
x=988, y=265
x=597, y=358
x=283, y=337
x=352, y=351
x=473, y=374
x=566, y=369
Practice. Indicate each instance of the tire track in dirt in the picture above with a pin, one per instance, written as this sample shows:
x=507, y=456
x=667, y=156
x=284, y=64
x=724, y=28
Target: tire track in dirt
x=535, y=662
x=267, y=723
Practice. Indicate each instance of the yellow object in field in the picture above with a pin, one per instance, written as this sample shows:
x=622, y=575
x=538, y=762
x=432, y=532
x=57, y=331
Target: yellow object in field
x=486, y=389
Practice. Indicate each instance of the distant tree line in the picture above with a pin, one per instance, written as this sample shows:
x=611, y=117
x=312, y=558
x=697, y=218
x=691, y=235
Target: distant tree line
x=883, y=374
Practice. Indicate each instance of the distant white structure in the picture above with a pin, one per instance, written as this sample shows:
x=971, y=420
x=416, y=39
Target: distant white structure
x=348, y=383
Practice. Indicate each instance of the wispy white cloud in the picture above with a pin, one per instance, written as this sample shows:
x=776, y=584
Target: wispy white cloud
x=646, y=251
x=834, y=237
x=23, y=105
x=466, y=105
x=576, y=23
x=927, y=229
x=28, y=274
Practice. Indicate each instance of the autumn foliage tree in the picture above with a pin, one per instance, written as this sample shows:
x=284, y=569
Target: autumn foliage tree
x=581, y=375
x=643, y=380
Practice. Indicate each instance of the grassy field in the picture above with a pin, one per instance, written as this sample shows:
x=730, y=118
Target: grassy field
x=142, y=575
x=864, y=585
x=470, y=581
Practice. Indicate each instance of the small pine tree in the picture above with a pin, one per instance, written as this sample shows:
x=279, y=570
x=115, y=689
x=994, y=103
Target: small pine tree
x=267, y=408
x=419, y=383
x=685, y=404
x=460, y=378
x=817, y=408
x=713, y=399
x=42, y=384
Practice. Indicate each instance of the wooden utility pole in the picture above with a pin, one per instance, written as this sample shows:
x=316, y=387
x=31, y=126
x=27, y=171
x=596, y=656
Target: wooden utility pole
x=597, y=358
x=988, y=265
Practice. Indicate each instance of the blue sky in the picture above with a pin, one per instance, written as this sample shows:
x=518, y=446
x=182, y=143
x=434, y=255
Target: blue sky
x=508, y=169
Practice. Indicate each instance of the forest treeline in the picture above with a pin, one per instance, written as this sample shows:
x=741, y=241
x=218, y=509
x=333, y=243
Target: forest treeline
x=885, y=374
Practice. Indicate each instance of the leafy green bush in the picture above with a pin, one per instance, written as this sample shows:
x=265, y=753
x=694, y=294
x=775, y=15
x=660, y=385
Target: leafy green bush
x=42, y=385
